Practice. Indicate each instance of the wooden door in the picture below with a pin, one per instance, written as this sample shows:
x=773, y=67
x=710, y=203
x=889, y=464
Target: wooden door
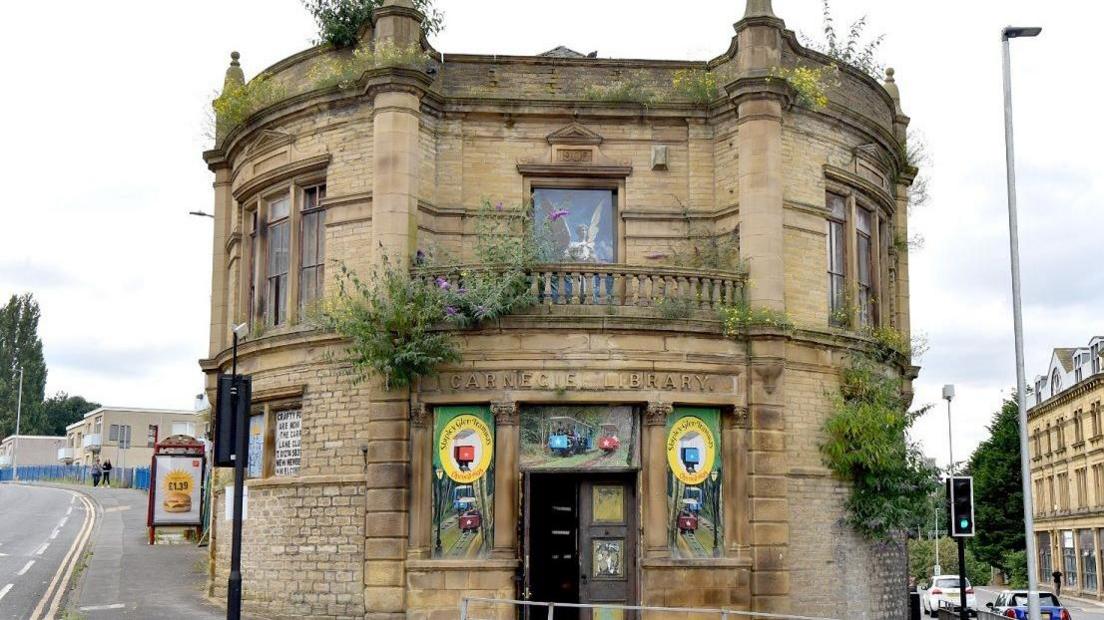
x=607, y=545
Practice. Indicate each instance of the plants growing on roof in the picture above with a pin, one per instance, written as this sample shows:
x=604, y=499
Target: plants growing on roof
x=810, y=83
x=697, y=85
x=850, y=47
x=345, y=71
x=240, y=101
x=339, y=21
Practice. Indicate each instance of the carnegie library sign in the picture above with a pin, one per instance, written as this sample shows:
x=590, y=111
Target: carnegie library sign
x=586, y=380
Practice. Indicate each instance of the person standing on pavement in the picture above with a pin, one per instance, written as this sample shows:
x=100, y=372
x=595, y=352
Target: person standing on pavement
x=97, y=472
x=1057, y=582
x=107, y=473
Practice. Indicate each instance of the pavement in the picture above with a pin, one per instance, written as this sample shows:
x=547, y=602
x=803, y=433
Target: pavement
x=128, y=578
x=42, y=532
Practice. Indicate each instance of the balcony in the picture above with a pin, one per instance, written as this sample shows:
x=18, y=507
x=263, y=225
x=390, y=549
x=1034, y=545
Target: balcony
x=66, y=455
x=670, y=292
x=93, y=442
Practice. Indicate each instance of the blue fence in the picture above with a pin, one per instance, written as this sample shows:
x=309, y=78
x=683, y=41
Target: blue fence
x=132, y=477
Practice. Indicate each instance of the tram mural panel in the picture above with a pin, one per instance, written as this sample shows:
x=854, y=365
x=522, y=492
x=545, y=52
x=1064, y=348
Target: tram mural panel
x=579, y=437
x=463, y=481
x=693, y=446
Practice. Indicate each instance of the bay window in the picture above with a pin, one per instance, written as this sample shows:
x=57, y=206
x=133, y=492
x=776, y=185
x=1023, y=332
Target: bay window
x=858, y=242
x=864, y=250
x=283, y=253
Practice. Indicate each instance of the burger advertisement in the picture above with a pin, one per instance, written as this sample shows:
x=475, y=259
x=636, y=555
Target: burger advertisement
x=176, y=497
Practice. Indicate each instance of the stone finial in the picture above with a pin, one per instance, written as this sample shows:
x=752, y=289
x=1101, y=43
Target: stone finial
x=890, y=85
x=759, y=8
x=234, y=73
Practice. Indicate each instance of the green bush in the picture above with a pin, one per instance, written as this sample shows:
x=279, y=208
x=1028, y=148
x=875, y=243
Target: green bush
x=339, y=21
x=739, y=318
x=697, y=85
x=240, y=101
x=867, y=446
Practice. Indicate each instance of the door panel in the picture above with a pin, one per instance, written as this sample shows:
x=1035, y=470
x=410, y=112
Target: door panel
x=607, y=544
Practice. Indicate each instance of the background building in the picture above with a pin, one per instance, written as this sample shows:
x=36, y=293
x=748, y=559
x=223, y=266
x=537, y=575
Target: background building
x=33, y=450
x=1067, y=467
x=126, y=435
x=485, y=479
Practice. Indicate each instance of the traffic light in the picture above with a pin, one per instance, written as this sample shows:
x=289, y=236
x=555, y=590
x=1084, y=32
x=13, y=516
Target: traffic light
x=231, y=406
x=960, y=498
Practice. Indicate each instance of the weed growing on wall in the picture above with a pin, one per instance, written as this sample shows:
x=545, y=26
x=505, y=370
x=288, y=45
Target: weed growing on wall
x=739, y=318
x=635, y=87
x=390, y=322
x=868, y=446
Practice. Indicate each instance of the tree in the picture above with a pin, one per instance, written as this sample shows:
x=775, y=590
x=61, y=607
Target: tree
x=998, y=494
x=21, y=348
x=61, y=410
x=339, y=21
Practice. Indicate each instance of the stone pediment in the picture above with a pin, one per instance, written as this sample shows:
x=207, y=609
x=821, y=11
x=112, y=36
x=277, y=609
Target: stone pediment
x=574, y=134
x=269, y=140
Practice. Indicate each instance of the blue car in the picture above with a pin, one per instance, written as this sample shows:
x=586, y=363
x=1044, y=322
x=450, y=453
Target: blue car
x=1013, y=604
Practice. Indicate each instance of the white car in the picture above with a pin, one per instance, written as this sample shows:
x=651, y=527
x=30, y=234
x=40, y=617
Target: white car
x=944, y=592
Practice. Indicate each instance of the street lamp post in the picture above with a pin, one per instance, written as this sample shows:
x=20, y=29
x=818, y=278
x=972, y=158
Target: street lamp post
x=440, y=513
x=241, y=455
x=1011, y=32
x=18, y=419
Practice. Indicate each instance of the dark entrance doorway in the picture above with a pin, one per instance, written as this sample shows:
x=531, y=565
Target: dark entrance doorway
x=580, y=542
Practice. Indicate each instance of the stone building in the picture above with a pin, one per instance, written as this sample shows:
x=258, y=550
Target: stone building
x=592, y=448
x=1067, y=467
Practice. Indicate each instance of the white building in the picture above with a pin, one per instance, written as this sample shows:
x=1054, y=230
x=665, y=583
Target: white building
x=1068, y=367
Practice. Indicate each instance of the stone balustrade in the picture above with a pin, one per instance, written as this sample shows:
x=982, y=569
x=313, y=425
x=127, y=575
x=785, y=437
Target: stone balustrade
x=591, y=284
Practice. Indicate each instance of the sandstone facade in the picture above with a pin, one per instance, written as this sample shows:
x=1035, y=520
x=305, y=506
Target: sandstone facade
x=344, y=530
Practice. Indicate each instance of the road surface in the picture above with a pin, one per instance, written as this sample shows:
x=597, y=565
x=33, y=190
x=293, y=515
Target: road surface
x=41, y=532
x=1077, y=609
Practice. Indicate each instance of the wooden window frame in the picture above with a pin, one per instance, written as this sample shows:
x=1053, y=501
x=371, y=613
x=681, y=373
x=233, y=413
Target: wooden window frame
x=837, y=233
x=318, y=268
x=881, y=223
x=254, y=291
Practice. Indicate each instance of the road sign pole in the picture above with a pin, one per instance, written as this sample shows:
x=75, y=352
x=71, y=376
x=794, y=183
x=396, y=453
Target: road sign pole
x=963, y=612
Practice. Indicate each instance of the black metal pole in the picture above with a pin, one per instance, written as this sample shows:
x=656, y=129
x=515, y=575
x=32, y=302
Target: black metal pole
x=234, y=584
x=963, y=612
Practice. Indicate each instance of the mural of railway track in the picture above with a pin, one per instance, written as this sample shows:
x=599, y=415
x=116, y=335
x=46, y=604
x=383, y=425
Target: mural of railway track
x=580, y=438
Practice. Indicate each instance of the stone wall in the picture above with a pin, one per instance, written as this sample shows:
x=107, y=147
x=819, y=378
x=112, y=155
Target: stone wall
x=302, y=548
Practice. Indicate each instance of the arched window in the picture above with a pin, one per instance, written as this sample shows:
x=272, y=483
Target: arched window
x=1055, y=382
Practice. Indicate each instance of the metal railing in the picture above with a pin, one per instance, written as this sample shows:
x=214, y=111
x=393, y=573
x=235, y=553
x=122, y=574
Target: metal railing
x=594, y=284
x=982, y=614
x=121, y=477
x=684, y=612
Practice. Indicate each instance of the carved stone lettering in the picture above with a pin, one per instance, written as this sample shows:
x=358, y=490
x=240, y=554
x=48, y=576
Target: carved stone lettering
x=576, y=156
x=587, y=381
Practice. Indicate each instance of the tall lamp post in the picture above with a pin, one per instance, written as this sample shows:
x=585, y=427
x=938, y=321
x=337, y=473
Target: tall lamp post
x=241, y=456
x=18, y=419
x=1011, y=32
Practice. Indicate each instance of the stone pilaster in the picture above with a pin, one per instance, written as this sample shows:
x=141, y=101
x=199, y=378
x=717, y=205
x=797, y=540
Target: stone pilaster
x=737, y=522
x=759, y=103
x=421, y=478
x=507, y=478
x=396, y=124
x=767, y=462
x=220, y=293
x=655, y=481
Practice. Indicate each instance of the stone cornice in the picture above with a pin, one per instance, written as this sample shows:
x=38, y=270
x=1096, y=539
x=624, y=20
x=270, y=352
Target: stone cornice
x=878, y=194
x=589, y=171
x=279, y=393
x=278, y=175
x=749, y=88
x=396, y=79
x=1065, y=397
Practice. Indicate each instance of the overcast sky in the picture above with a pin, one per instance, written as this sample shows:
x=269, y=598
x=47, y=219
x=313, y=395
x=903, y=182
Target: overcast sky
x=105, y=123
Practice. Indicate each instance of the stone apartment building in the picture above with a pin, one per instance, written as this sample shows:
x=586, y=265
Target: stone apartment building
x=580, y=451
x=125, y=435
x=1067, y=467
